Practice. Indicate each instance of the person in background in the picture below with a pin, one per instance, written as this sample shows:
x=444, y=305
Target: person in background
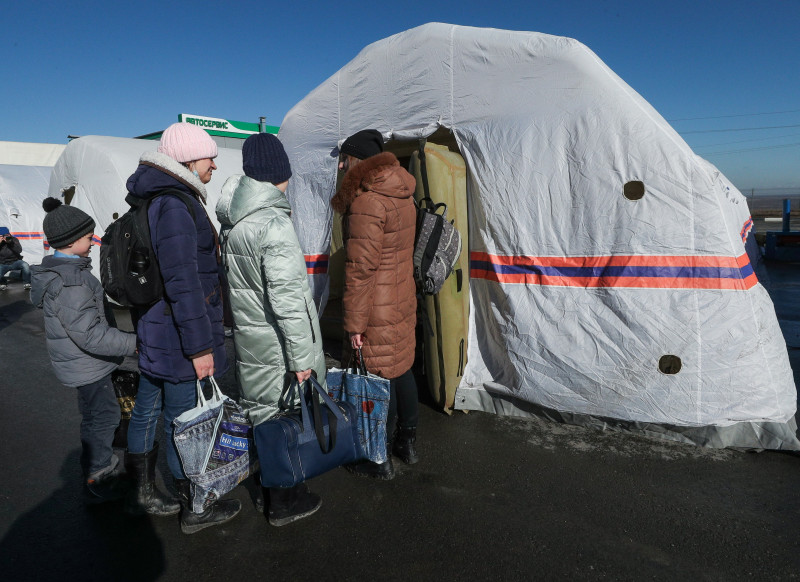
x=181, y=337
x=380, y=304
x=84, y=348
x=11, y=259
x=276, y=333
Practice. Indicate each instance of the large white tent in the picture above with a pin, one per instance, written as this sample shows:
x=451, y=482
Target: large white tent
x=92, y=172
x=24, y=177
x=609, y=280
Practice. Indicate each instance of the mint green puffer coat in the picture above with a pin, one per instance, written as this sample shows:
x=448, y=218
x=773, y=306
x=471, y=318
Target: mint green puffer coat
x=276, y=328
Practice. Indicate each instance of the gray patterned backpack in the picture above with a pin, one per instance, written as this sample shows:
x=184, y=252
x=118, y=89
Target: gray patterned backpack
x=437, y=246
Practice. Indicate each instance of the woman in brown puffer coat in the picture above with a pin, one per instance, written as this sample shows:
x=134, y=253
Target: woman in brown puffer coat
x=380, y=303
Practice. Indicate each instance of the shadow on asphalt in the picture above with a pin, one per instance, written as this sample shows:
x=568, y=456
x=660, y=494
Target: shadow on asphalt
x=11, y=313
x=59, y=536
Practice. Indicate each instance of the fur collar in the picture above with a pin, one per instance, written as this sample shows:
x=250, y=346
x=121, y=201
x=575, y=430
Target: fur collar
x=175, y=169
x=359, y=178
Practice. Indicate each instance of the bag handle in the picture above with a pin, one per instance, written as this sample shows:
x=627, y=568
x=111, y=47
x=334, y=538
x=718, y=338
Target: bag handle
x=361, y=367
x=216, y=394
x=313, y=391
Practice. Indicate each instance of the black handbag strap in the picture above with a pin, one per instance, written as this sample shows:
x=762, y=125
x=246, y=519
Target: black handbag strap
x=325, y=445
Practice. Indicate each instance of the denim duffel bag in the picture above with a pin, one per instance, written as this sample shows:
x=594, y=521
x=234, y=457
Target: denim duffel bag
x=213, y=442
x=309, y=440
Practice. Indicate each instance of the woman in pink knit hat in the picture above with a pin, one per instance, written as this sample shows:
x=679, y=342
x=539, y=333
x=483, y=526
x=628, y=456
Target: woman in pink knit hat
x=181, y=337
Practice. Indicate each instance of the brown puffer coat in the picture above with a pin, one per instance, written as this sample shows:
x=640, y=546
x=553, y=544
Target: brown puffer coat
x=380, y=300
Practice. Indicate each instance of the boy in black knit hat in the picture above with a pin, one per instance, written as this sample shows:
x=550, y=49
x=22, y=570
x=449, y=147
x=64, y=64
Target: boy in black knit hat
x=84, y=349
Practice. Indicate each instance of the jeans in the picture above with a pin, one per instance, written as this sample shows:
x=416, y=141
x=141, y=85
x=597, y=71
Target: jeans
x=101, y=415
x=153, y=396
x=403, y=404
x=19, y=265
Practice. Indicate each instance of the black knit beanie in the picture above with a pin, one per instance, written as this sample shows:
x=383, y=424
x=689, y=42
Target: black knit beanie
x=264, y=159
x=64, y=224
x=364, y=144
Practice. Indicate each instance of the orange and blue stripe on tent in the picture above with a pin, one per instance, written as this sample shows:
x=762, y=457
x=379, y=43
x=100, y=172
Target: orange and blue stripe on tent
x=45, y=244
x=748, y=226
x=633, y=271
x=28, y=235
x=316, y=264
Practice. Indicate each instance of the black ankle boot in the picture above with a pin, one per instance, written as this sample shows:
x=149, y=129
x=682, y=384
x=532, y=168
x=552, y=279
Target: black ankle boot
x=405, y=440
x=382, y=471
x=217, y=513
x=144, y=496
x=291, y=503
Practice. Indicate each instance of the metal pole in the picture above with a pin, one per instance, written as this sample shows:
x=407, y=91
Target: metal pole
x=262, y=125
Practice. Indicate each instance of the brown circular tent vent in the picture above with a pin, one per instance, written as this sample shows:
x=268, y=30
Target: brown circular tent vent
x=633, y=190
x=669, y=364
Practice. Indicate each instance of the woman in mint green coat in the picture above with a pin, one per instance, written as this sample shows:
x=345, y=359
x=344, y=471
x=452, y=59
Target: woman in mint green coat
x=276, y=328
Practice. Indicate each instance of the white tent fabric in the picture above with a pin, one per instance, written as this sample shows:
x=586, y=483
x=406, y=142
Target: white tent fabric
x=577, y=292
x=16, y=153
x=22, y=189
x=99, y=166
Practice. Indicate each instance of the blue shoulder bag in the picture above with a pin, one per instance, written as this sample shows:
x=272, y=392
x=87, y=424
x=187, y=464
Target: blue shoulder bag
x=313, y=438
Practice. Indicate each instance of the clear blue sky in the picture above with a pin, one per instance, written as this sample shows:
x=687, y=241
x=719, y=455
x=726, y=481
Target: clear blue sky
x=714, y=69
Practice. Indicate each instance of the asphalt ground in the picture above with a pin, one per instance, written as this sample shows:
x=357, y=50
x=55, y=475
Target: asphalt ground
x=492, y=498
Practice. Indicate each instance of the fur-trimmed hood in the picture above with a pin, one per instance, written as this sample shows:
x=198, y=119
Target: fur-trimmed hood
x=158, y=172
x=381, y=174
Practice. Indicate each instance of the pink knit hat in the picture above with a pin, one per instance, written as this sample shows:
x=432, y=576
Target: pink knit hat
x=184, y=142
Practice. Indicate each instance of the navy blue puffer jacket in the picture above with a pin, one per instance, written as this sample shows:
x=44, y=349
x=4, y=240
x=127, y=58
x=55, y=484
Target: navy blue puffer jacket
x=188, y=322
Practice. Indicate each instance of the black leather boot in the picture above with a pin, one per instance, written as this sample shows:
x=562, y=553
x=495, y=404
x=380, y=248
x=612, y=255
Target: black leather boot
x=405, y=440
x=144, y=496
x=217, y=513
x=291, y=503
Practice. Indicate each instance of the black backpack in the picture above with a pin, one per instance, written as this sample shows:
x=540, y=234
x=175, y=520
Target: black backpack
x=129, y=270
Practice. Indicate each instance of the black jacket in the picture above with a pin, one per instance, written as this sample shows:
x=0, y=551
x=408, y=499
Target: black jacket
x=10, y=251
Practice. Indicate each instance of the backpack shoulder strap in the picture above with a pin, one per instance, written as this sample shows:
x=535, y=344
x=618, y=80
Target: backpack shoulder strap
x=423, y=169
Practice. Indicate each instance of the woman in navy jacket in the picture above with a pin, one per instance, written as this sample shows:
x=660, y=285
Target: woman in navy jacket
x=181, y=338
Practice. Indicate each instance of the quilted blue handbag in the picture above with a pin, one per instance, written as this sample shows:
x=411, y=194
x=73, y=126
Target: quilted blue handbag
x=301, y=443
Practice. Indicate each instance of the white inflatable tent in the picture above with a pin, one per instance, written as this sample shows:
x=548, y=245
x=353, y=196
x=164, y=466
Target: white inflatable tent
x=609, y=280
x=24, y=177
x=92, y=172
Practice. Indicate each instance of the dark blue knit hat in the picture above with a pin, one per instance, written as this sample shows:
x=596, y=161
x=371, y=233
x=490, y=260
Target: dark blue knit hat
x=264, y=159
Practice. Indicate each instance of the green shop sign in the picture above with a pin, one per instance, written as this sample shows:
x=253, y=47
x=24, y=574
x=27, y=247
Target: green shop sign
x=224, y=127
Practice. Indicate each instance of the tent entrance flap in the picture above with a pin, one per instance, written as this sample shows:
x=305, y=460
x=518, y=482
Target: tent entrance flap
x=441, y=175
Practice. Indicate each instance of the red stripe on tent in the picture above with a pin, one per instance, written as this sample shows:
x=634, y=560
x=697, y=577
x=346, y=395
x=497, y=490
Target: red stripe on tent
x=46, y=245
x=661, y=282
x=316, y=264
x=629, y=282
x=616, y=261
x=748, y=226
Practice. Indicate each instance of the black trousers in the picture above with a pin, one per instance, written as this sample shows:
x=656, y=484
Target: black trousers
x=403, y=403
